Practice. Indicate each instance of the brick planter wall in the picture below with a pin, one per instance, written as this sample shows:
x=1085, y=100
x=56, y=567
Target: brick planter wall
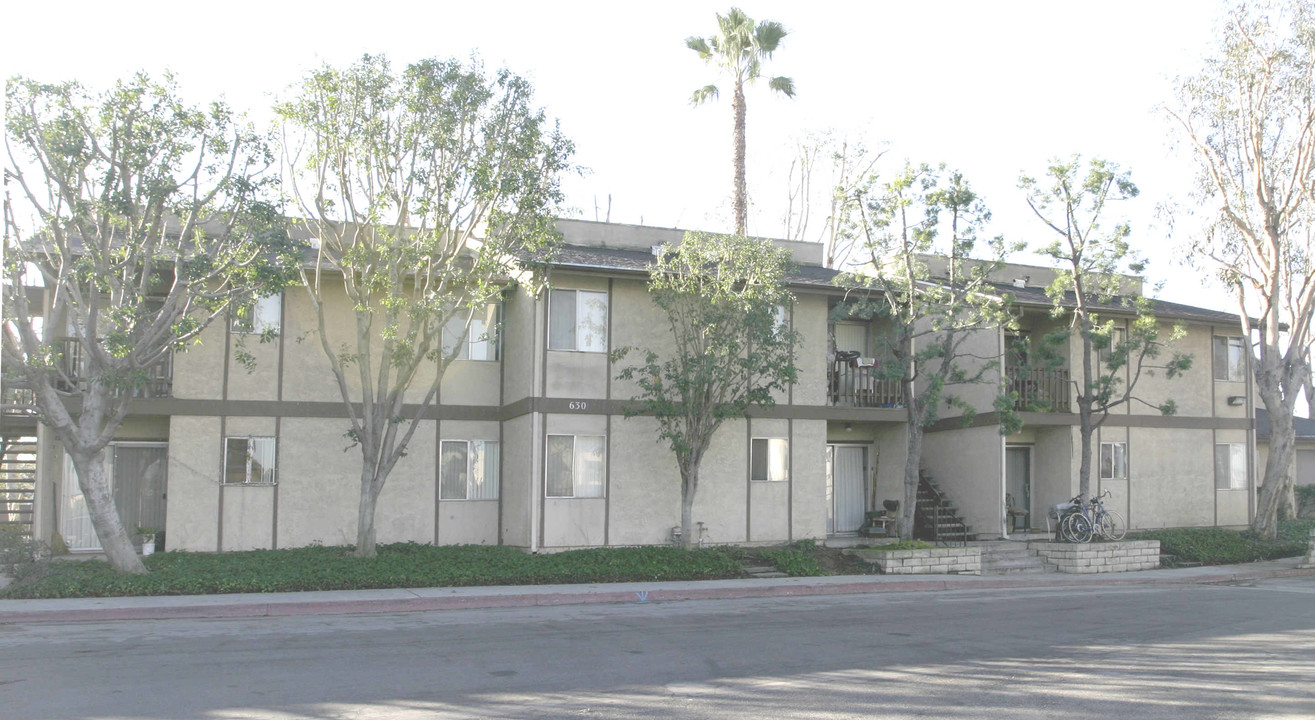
x=934, y=561
x=1100, y=557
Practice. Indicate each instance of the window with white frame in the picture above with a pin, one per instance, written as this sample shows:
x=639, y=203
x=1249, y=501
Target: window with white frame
x=468, y=470
x=1118, y=336
x=576, y=465
x=1113, y=460
x=249, y=460
x=259, y=315
x=577, y=320
x=1230, y=359
x=769, y=460
x=1230, y=466
x=481, y=342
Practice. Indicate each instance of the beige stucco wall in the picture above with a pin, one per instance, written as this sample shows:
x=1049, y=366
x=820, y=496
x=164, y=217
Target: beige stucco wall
x=198, y=371
x=1191, y=390
x=1171, y=478
x=319, y=484
x=808, y=510
x=248, y=517
x=645, y=485
x=810, y=322
x=967, y=465
x=638, y=324
x=521, y=337
x=519, y=487
x=195, y=458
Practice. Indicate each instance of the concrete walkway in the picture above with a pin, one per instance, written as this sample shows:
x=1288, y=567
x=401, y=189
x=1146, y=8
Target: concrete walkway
x=426, y=599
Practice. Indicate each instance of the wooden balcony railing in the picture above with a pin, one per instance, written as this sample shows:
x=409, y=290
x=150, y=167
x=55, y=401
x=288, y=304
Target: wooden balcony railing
x=158, y=380
x=852, y=386
x=1040, y=390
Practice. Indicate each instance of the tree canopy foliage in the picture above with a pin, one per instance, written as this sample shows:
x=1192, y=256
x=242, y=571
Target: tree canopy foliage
x=134, y=221
x=1249, y=119
x=421, y=189
x=731, y=346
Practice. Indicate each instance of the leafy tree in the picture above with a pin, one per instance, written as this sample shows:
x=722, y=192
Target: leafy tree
x=729, y=350
x=1249, y=117
x=830, y=171
x=933, y=312
x=421, y=187
x=1071, y=200
x=739, y=49
x=148, y=221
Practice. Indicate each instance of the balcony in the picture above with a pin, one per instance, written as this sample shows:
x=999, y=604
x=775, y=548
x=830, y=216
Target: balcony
x=850, y=384
x=1040, y=390
x=157, y=380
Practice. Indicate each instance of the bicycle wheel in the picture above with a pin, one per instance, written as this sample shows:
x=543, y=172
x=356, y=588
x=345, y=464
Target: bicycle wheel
x=1077, y=528
x=1112, y=526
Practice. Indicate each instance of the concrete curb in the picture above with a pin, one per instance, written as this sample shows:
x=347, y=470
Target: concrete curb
x=523, y=597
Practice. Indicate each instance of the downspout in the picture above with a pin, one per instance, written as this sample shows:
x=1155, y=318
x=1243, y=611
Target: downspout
x=1004, y=480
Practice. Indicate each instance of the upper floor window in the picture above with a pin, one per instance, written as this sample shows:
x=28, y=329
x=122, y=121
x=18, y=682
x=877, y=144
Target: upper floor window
x=481, y=343
x=1113, y=460
x=1230, y=359
x=577, y=320
x=769, y=460
x=259, y=315
x=249, y=460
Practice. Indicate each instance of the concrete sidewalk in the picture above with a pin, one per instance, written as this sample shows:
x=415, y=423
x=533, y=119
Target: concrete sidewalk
x=426, y=599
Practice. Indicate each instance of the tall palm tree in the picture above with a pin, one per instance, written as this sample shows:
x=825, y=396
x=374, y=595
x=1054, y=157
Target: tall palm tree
x=739, y=48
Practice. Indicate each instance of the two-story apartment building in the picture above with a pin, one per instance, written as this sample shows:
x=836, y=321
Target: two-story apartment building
x=529, y=446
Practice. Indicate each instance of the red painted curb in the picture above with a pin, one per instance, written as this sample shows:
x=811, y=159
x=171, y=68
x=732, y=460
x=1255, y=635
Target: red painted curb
x=474, y=602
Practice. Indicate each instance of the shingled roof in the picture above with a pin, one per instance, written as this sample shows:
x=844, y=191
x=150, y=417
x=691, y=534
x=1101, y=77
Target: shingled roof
x=638, y=262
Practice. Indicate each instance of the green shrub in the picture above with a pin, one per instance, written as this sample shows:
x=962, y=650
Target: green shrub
x=399, y=565
x=1217, y=546
x=792, y=560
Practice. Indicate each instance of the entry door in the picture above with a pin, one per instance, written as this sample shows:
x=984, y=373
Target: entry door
x=1018, y=484
x=138, y=481
x=848, y=475
x=139, y=484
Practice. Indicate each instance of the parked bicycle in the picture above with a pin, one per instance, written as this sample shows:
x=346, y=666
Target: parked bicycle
x=1090, y=519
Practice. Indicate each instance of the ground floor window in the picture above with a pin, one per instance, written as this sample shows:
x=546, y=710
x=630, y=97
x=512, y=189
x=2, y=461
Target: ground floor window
x=1113, y=460
x=769, y=460
x=249, y=460
x=468, y=470
x=576, y=466
x=1230, y=466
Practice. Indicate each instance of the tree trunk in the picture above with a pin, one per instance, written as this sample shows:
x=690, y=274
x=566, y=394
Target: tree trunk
x=689, y=484
x=912, y=462
x=370, y=488
x=741, y=201
x=96, y=492
x=1086, y=431
x=1278, y=484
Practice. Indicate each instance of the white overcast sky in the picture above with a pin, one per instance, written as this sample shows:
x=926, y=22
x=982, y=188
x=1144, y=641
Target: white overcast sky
x=991, y=88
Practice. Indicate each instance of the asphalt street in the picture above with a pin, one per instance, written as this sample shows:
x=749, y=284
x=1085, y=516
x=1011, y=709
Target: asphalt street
x=1199, y=651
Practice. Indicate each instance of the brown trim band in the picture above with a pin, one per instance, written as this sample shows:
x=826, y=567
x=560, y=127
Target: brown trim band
x=600, y=406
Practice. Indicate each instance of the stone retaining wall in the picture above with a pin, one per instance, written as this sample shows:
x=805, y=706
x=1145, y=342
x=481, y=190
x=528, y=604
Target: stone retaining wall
x=933, y=561
x=1100, y=557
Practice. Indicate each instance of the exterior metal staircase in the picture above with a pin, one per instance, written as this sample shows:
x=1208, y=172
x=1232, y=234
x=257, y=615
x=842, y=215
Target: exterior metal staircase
x=936, y=519
x=18, y=482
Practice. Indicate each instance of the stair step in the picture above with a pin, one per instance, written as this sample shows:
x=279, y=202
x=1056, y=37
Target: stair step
x=772, y=574
x=756, y=569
